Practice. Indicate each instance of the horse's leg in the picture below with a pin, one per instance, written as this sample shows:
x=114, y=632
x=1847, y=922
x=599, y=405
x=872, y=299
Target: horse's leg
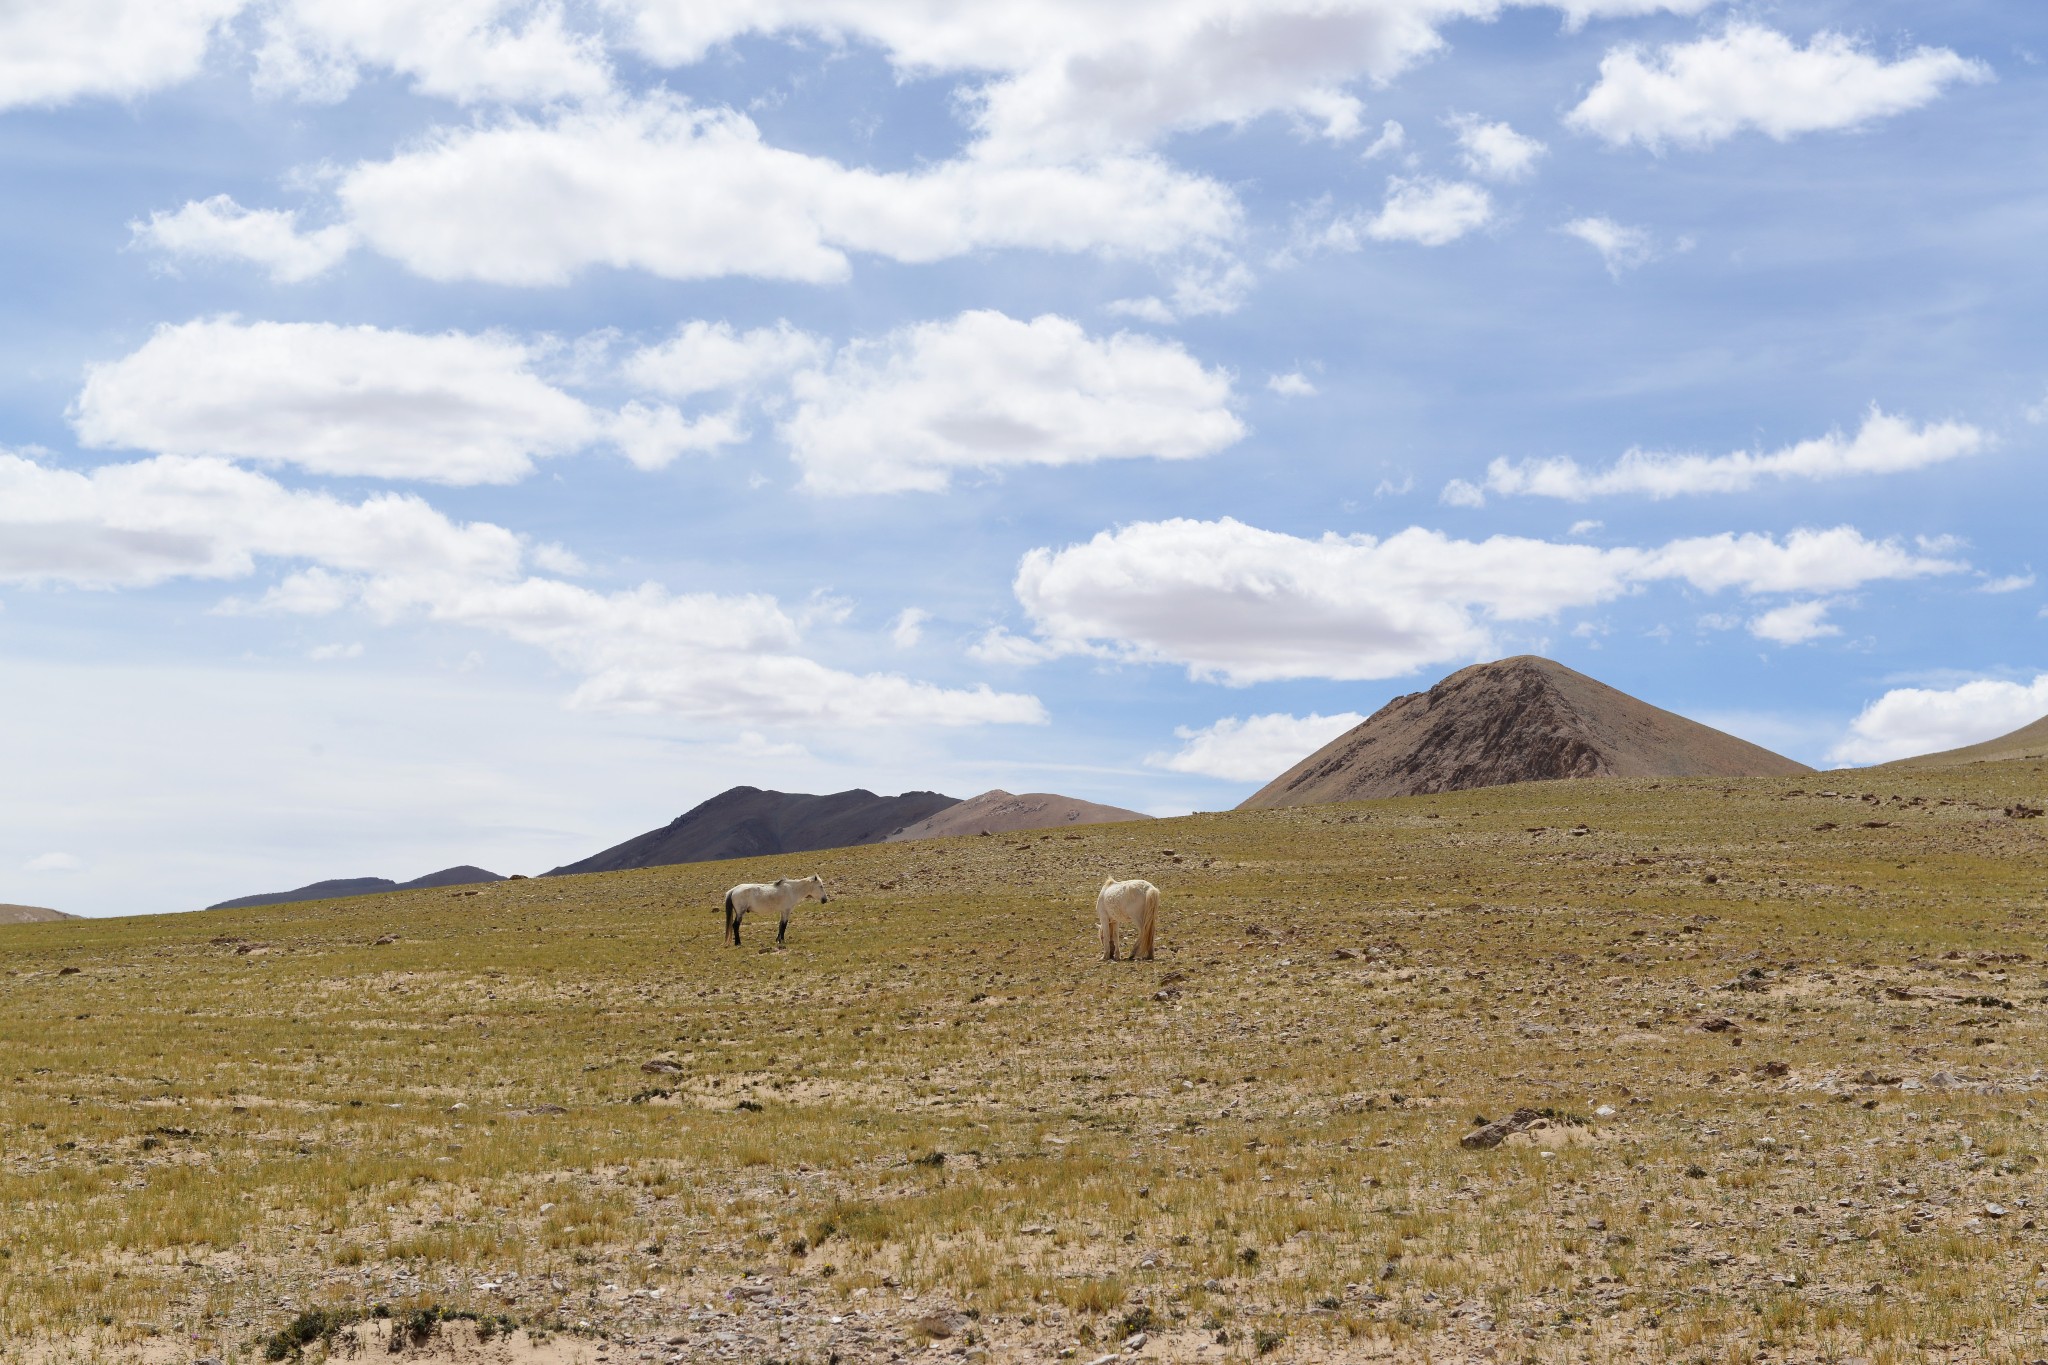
x=1145, y=940
x=1108, y=940
x=782, y=929
x=736, y=921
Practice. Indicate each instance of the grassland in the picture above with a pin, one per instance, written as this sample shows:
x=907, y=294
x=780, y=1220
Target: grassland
x=935, y=1127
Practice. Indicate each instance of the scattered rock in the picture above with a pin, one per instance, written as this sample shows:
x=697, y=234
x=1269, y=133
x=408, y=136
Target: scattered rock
x=943, y=1323
x=1994, y=1210
x=1720, y=1024
x=1869, y=1077
x=661, y=1066
x=1136, y=1341
x=1771, y=1071
x=387, y=938
x=67, y=971
x=2020, y=811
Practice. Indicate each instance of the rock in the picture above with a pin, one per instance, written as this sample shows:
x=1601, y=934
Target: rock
x=1994, y=1210
x=1493, y=1134
x=661, y=1066
x=943, y=1323
x=1136, y=1341
x=1344, y=954
x=1605, y=1111
x=1770, y=1071
x=384, y=940
x=1720, y=1024
x=1869, y=1077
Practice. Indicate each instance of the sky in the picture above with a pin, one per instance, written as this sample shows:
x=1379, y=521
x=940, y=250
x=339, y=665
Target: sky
x=477, y=433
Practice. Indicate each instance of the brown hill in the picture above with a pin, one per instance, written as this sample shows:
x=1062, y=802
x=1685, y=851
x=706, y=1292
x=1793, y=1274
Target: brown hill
x=747, y=822
x=999, y=812
x=2029, y=741
x=30, y=914
x=1523, y=719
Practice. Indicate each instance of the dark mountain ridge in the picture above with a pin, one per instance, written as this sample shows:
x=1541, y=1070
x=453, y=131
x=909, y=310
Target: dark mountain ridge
x=747, y=822
x=340, y=887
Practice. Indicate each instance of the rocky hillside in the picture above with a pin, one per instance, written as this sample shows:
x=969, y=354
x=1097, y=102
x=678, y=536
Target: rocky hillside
x=748, y=822
x=1000, y=812
x=30, y=914
x=2029, y=741
x=1523, y=719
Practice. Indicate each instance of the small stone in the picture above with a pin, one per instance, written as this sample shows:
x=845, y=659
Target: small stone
x=1605, y=1111
x=1994, y=1210
x=661, y=1066
x=1136, y=1341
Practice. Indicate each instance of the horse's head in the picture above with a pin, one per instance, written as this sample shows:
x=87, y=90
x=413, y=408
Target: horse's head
x=817, y=886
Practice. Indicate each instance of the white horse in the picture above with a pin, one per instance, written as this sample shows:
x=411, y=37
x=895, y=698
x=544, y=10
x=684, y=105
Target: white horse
x=1132, y=906
x=778, y=897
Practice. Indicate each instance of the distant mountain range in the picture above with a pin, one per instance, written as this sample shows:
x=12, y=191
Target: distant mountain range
x=747, y=822
x=30, y=914
x=342, y=887
x=1524, y=719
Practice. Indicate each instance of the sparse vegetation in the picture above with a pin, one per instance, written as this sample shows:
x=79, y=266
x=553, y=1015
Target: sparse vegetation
x=197, y=1144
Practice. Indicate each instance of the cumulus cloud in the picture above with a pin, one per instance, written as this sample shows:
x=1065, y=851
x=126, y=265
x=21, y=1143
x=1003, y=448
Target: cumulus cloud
x=1884, y=445
x=1293, y=384
x=463, y=50
x=1429, y=211
x=1795, y=623
x=219, y=229
x=727, y=658
x=451, y=408
x=1067, y=78
x=1238, y=604
x=652, y=436
x=1254, y=749
x=985, y=391
x=688, y=193
x=710, y=357
x=1752, y=77
x=1622, y=248
x=1910, y=721
x=1495, y=151
x=51, y=54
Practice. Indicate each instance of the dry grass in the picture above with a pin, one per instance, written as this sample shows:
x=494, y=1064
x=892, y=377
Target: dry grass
x=938, y=1119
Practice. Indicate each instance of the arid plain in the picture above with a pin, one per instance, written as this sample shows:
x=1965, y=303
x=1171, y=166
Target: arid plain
x=1787, y=1033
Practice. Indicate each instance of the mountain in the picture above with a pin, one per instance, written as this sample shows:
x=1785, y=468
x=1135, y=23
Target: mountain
x=1523, y=719
x=30, y=914
x=2029, y=741
x=747, y=822
x=999, y=812
x=362, y=886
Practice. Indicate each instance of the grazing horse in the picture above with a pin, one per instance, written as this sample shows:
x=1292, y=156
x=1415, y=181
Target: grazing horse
x=778, y=897
x=1132, y=906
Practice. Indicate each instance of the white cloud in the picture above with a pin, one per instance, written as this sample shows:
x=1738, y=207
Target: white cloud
x=1748, y=76
x=985, y=391
x=463, y=50
x=653, y=436
x=1795, y=623
x=1073, y=78
x=1293, y=384
x=2018, y=582
x=1910, y=721
x=451, y=408
x=689, y=193
x=1462, y=493
x=54, y=862
x=1586, y=528
x=711, y=357
x=1622, y=248
x=908, y=628
x=700, y=655
x=1393, y=137
x=1885, y=445
x=1431, y=212
x=1254, y=749
x=219, y=229
x=1495, y=150
x=328, y=653
x=1242, y=605
x=52, y=54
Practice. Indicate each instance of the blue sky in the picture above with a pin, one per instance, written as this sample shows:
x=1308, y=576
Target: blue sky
x=478, y=433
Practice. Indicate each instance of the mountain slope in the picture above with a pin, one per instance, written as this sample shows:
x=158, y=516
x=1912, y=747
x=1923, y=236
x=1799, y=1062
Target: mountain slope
x=1000, y=812
x=1523, y=719
x=340, y=887
x=748, y=822
x=30, y=914
x=2029, y=741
